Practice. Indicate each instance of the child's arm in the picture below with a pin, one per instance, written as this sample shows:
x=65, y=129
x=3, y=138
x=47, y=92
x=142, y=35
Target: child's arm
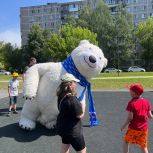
x=150, y=115
x=9, y=91
x=128, y=119
x=9, y=84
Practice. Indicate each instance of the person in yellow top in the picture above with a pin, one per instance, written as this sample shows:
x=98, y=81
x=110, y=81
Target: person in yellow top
x=13, y=93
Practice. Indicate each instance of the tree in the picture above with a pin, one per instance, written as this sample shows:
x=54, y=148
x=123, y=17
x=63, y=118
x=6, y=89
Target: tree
x=1, y=55
x=12, y=57
x=110, y=30
x=145, y=36
x=99, y=21
x=37, y=39
x=122, y=41
x=61, y=44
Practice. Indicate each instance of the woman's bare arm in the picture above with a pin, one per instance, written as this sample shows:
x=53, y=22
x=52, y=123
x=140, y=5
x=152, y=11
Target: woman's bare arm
x=150, y=114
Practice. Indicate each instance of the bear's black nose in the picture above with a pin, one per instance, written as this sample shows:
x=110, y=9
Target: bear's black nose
x=92, y=59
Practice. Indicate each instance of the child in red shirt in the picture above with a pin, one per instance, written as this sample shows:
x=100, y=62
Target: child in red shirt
x=139, y=110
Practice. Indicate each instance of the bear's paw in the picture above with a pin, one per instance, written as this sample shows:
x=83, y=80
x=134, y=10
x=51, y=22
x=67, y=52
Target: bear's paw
x=27, y=124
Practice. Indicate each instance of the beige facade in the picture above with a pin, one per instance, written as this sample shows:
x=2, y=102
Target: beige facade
x=50, y=16
x=140, y=9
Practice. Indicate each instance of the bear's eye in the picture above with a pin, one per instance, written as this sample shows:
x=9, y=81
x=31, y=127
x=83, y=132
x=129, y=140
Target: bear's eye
x=100, y=58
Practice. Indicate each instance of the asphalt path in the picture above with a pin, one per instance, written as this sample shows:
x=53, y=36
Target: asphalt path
x=105, y=138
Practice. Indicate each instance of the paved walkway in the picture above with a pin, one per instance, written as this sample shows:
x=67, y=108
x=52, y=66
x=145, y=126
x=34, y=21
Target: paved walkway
x=105, y=138
x=3, y=93
x=124, y=77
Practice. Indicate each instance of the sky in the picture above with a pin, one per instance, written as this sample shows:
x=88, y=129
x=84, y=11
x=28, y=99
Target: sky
x=10, y=18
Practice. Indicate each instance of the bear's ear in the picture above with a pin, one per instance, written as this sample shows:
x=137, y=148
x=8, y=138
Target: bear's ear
x=84, y=42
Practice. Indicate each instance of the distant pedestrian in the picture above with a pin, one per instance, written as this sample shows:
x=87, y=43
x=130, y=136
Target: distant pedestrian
x=32, y=62
x=139, y=110
x=69, y=125
x=13, y=93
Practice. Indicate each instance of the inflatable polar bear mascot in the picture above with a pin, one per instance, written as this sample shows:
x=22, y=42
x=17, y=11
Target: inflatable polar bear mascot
x=42, y=80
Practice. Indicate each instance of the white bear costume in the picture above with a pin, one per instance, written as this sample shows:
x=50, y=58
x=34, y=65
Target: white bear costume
x=42, y=80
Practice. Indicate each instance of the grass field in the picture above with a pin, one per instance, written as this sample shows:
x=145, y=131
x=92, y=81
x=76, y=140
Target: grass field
x=107, y=81
x=6, y=78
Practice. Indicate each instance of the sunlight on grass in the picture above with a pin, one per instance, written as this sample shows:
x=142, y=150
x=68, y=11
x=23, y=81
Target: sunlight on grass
x=121, y=83
x=102, y=84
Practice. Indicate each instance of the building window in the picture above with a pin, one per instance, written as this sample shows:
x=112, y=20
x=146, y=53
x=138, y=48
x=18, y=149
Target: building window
x=128, y=1
x=135, y=1
x=144, y=7
x=144, y=1
x=51, y=10
x=32, y=11
x=135, y=9
x=31, y=19
x=151, y=14
x=143, y=15
x=52, y=24
x=135, y=16
x=45, y=10
x=128, y=9
x=111, y=2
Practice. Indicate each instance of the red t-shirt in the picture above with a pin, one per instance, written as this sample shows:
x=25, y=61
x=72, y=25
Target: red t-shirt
x=140, y=108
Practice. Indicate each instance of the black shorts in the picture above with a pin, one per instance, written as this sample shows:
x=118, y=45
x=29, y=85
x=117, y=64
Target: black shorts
x=13, y=100
x=77, y=142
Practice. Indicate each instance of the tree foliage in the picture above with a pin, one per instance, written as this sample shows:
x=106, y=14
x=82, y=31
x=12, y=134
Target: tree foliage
x=61, y=44
x=111, y=30
x=1, y=55
x=12, y=60
x=145, y=35
x=123, y=40
x=37, y=39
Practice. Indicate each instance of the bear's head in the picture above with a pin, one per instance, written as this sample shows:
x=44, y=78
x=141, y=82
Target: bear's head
x=88, y=59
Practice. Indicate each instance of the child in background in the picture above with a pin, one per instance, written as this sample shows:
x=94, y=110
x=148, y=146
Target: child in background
x=139, y=110
x=13, y=93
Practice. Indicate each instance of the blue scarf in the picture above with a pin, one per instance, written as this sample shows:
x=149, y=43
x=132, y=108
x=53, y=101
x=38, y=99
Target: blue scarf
x=70, y=67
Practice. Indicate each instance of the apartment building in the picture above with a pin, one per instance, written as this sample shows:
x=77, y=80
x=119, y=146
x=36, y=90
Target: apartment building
x=50, y=16
x=140, y=9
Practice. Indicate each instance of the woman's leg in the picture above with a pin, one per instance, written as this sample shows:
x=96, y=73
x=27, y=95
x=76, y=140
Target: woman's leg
x=125, y=147
x=65, y=148
x=144, y=150
x=82, y=151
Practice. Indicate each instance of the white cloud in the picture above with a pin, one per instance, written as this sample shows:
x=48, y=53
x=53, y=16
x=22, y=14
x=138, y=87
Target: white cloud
x=12, y=36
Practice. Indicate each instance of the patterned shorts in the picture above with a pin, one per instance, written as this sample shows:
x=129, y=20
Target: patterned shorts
x=137, y=137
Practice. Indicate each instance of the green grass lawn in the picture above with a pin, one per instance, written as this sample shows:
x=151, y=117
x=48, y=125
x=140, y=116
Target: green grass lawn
x=108, y=81
x=6, y=78
x=115, y=81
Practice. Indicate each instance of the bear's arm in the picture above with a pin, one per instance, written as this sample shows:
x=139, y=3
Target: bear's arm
x=32, y=76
